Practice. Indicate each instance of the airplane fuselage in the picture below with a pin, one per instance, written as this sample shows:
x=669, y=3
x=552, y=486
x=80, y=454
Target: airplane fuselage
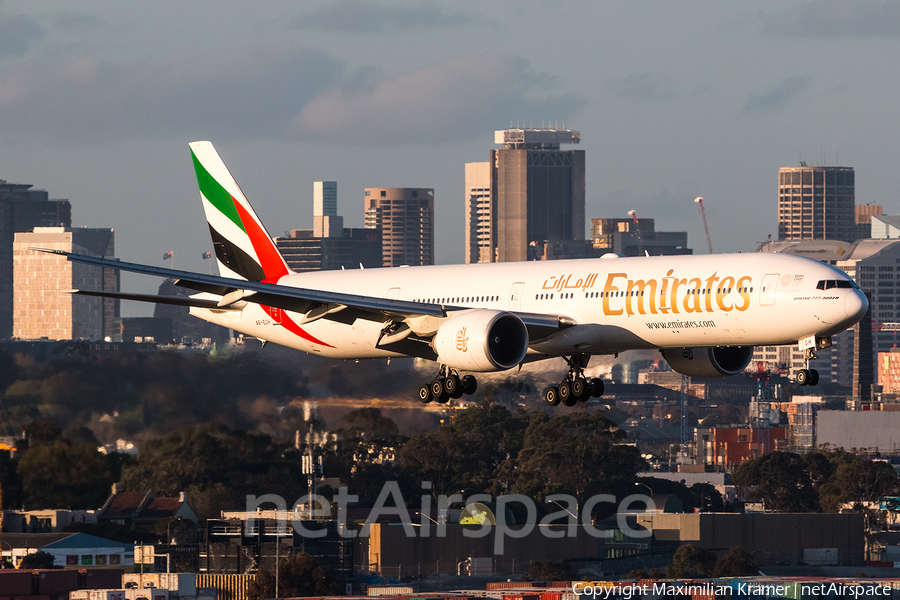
x=614, y=304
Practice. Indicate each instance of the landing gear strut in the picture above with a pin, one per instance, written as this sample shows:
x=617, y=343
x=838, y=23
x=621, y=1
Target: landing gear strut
x=575, y=387
x=448, y=384
x=807, y=376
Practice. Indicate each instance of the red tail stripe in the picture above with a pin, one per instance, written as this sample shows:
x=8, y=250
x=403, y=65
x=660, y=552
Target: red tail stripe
x=272, y=264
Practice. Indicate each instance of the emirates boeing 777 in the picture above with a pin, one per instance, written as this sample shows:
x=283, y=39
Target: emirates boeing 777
x=703, y=313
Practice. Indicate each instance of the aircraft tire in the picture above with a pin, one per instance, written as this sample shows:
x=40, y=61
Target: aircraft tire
x=813, y=377
x=453, y=386
x=580, y=389
x=469, y=384
x=425, y=394
x=551, y=395
x=565, y=392
x=597, y=387
x=802, y=376
x=437, y=388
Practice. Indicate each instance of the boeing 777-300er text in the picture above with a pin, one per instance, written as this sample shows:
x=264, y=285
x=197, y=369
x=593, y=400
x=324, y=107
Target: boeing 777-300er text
x=703, y=313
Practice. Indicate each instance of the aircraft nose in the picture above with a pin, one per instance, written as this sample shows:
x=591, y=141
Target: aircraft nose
x=856, y=305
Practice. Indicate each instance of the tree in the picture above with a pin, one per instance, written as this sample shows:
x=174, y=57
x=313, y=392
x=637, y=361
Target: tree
x=298, y=575
x=780, y=480
x=202, y=456
x=691, y=562
x=38, y=560
x=576, y=453
x=736, y=562
x=549, y=570
x=64, y=476
x=859, y=483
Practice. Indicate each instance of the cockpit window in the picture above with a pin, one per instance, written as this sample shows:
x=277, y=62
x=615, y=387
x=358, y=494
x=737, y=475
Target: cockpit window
x=827, y=284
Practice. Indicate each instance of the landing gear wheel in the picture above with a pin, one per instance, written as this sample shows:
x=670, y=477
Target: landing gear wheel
x=425, y=394
x=453, y=386
x=813, y=377
x=580, y=388
x=437, y=391
x=469, y=384
x=802, y=377
x=597, y=387
x=565, y=392
x=551, y=396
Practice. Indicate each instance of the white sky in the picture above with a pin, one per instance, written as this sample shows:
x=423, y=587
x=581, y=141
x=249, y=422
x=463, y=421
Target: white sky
x=99, y=99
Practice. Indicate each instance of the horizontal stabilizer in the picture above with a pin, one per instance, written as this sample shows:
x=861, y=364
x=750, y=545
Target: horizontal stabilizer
x=156, y=299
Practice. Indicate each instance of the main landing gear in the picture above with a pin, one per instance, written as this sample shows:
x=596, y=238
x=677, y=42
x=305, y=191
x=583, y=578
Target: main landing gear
x=448, y=384
x=807, y=376
x=575, y=387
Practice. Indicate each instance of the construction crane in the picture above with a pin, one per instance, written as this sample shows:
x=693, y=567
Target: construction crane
x=699, y=200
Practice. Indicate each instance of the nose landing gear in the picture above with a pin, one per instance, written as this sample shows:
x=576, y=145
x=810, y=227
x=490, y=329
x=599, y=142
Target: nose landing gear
x=575, y=387
x=807, y=376
x=448, y=384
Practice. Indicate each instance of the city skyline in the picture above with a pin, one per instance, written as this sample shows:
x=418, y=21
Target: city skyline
x=99, y=103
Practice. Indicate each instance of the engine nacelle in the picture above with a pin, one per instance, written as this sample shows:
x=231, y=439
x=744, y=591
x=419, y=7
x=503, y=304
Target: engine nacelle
x=481, y=340
x=709, y=362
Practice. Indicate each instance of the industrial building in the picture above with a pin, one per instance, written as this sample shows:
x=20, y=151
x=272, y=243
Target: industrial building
x=405, y=217
x=636, y=237
x=864, y=430
x=530, y=194
x=42, y=308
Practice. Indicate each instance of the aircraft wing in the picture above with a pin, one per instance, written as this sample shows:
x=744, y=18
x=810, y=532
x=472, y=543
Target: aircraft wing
x=300, y=300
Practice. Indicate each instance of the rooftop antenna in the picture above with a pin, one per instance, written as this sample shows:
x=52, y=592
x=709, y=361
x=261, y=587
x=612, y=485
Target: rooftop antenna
x=699, y=200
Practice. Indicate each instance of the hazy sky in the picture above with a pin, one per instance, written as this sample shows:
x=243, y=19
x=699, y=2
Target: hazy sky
x=99, y=99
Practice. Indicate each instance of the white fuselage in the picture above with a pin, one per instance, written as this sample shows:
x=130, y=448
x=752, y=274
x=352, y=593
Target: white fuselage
x=616, y=303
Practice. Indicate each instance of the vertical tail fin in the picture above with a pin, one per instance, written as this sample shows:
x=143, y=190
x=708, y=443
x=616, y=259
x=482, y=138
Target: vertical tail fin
x=243, y=247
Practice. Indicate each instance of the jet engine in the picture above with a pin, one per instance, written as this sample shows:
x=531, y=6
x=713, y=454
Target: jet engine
x=710, y=362
x=481, y=340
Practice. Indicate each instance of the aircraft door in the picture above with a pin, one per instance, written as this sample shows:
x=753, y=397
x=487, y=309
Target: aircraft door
x=276, y=314
x=767, y=289
x=515, y=296
x=394, y=293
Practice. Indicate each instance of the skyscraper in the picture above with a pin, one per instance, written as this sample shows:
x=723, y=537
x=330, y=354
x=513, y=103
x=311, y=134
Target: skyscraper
x=816, y=203
x=530, y=193
x=326, y=222
x=480, y=216
x=42, y=306
x=405, y=217
x=328, y=245
x=22, y=209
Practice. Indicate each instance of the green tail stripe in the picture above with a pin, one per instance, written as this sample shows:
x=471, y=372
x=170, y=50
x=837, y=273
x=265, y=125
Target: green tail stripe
x=216, y=194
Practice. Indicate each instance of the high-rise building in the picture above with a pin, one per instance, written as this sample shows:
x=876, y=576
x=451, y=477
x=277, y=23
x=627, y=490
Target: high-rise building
x=329, y=246
x=816, y=203
x=480, y=215
x=22, y=209
x=405, y=217
x=42, y=307
x=326, y=222
x=530, y=194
